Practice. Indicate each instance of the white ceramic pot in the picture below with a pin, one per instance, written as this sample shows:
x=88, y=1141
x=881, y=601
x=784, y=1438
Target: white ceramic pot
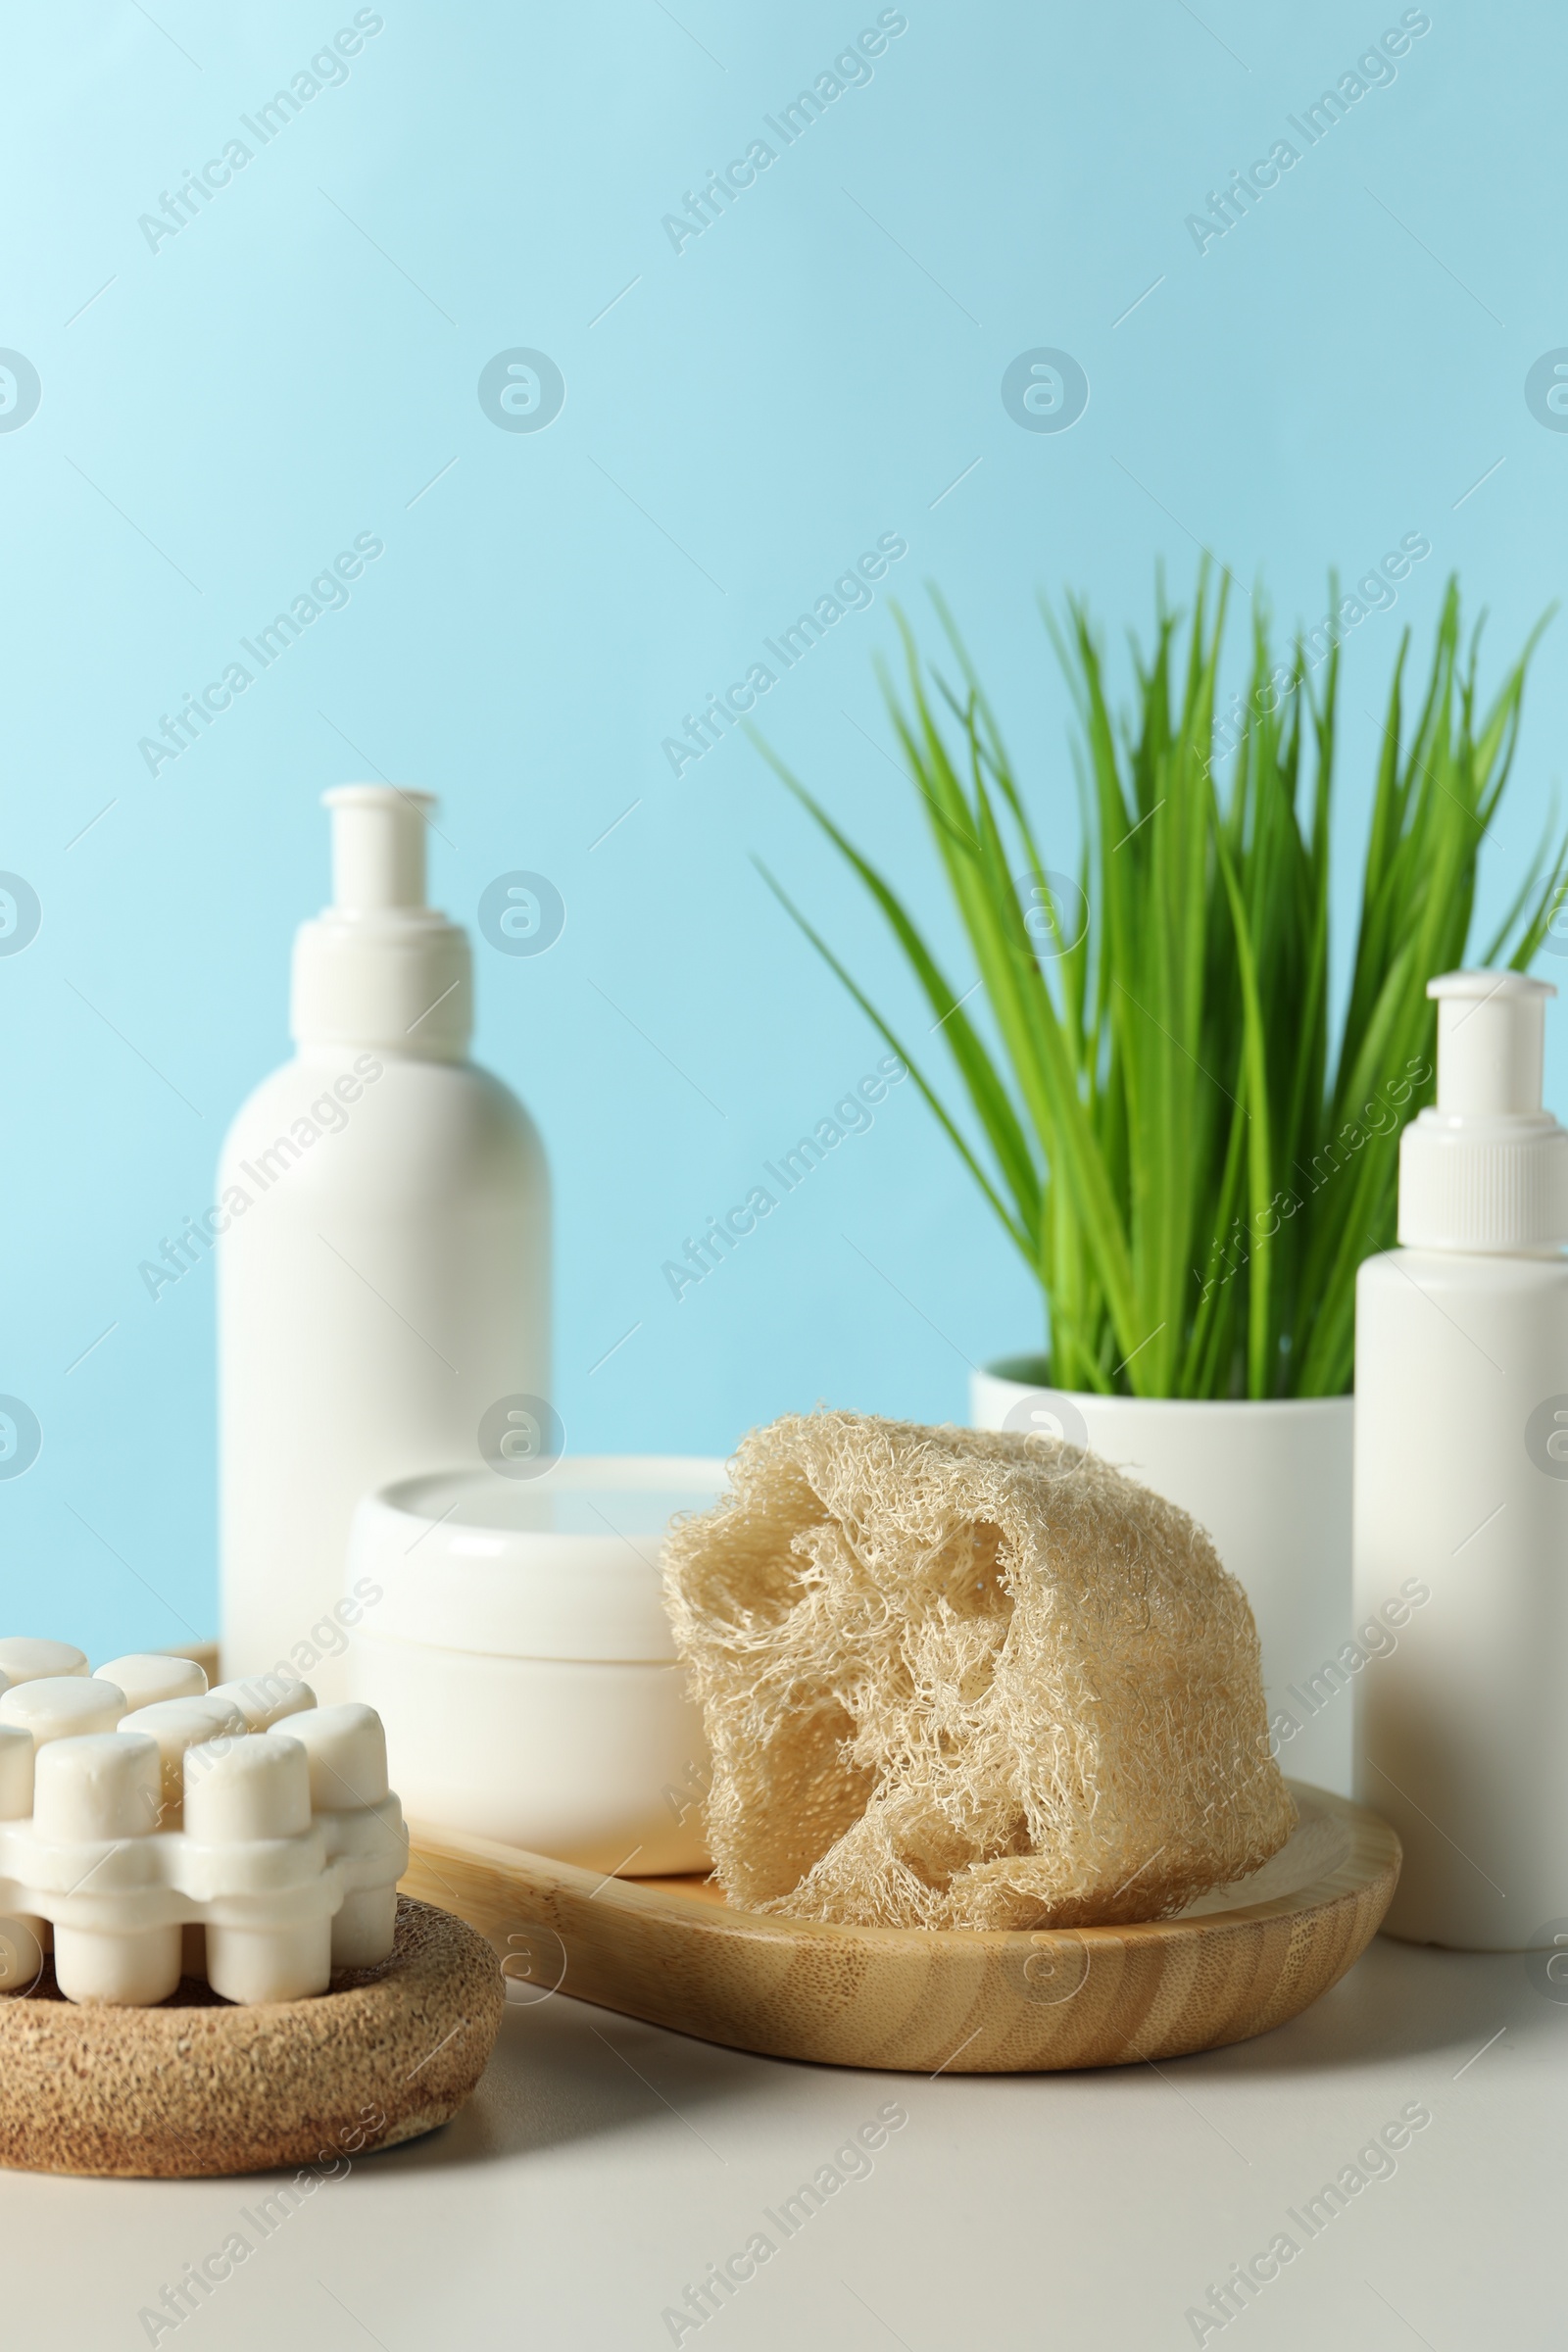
x=1271, y=1482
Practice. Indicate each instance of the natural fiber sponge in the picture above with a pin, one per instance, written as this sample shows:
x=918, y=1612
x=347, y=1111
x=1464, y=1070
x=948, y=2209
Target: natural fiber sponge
x=960, y=1679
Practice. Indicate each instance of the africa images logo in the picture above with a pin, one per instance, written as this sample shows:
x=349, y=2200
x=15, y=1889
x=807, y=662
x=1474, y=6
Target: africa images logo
x=522, y=390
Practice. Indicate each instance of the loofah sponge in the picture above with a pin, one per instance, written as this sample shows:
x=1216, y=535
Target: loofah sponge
x=960, y=1679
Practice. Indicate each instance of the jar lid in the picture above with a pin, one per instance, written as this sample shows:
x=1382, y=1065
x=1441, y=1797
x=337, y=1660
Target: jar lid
x=563, y=1565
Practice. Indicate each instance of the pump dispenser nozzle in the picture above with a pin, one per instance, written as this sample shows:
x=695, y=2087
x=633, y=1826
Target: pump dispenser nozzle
x=378, y=846
x=1486, y=1168
x=1491, y=1041
x=379, y=966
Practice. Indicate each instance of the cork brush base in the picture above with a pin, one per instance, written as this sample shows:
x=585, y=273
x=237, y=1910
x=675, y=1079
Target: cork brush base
x=937, y=2000
x=198, y=2086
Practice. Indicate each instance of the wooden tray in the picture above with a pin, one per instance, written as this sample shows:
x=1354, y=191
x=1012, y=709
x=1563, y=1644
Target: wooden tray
x=933, y=2000
x=198, y=2086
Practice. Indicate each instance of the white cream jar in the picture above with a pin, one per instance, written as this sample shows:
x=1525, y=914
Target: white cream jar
x=519, y=1655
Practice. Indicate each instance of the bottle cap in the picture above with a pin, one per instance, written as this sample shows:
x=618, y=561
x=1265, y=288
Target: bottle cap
x=379, y=966
x=1486, y=1168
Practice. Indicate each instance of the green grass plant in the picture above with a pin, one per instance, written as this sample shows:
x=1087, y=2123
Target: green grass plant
x=1139, y=1071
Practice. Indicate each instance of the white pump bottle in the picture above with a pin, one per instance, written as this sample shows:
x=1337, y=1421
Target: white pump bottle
x=384, y=1268
x=1461, y=1491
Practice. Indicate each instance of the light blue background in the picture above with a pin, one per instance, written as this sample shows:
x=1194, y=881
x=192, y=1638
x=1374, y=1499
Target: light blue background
x=299, y=363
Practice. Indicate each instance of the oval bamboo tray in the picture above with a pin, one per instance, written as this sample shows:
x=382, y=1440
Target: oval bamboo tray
x=198, y=2086
x=933, y=2000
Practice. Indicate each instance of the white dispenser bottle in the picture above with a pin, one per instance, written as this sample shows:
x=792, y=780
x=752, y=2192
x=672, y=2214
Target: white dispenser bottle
x=1461, y=1491
x=383, y=1272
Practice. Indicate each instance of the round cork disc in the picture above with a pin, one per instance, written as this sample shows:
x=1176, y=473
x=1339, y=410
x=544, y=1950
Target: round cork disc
x=199, y=2087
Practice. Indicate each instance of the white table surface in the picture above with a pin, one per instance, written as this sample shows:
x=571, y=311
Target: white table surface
x=604, y=2164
